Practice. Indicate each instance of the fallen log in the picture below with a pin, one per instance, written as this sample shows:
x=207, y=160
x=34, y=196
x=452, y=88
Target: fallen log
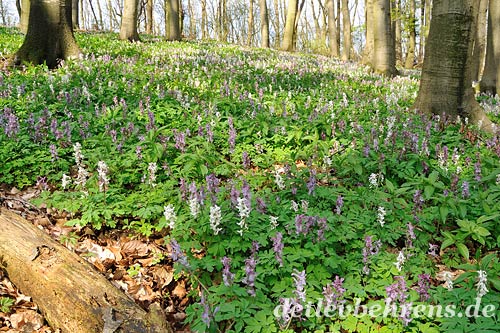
x=70, y=293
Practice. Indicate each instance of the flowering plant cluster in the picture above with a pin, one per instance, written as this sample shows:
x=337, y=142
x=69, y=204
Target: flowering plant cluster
x=276, y=179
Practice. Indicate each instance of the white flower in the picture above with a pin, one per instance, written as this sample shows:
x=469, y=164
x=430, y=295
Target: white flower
x=243, y=209
x=152, y=167
x=481, y=284
x=498, y=179
x=274, y=222
x=448, y=277
x=77, y=148
x=295, y=206
x=381, y=215
x=170, y=216
x=215, y=219
x=81, y=178
x=102, y=171
x=304, y=205
x=194, y=207
x=400, y=261
x=279, y=181
x=373, y=180
x=66, y=180
x=327, y=160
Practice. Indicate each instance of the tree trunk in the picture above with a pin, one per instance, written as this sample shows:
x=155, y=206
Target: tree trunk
x=25, y=16
x=421, y=34
x=204, y=22
x=192, y=21
x=346, y=32
x=264, y=24
x=18, y=8
x=367, y=58
x=289, y=32
x=447, y=65
x=277, y=26
x=490, y=82
x=332, y=29
x=480, y=40
x=410, y=55
x=149, y=16
x=384, y=55
x=74, y=14
x=71, y=294
x=396, y=20
x=101, y=20
x=296, y=24
x=128, y=27
x=174, y=32
x=250, y=23
x=49, y=38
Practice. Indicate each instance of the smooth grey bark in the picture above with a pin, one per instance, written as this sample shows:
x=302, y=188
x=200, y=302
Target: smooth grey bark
x=25, y=16
x=490, y=82
x=289, y=32
x=204, y=21
x=410, y=54
x=384, y=52
x=250, y=23
x=367, y=57
x=74, y=14
x=49, y=38
x=128, y=27
x=480, y=40
x=346, y=31
x=149, y=16
x=174, y=24
x=264, y=24
x=445, y=86
x=332, y=29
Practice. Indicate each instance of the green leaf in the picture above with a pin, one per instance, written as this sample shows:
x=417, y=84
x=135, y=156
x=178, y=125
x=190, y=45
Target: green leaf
x=463, y=250
x=443, y=212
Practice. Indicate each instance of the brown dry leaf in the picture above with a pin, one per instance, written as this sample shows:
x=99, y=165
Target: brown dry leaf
x=180, y=290
x=116, y=251
x=135, y=248
x=26, y=320
x=162, y=276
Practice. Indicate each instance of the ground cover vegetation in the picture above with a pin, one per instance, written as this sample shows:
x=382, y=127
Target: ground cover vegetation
x=275, y=180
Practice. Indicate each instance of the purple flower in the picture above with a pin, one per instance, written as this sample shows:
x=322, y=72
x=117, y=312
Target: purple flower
x=333, y=292
x=299, y=280
x=213, y=184
x=477, y=169
x=250, y=274
x=418, y=203
x=210, y=134
x=227, y=276
x=369, y=250
x=465, y=189
x=180, y=140
x=311, y=183
x=138, y=152
x=205, y=316
x=340, y=203
x=245, y=160
x=232, y=135
x=11, y=126
x=53, y=152
x=398, y=292
x=411, y=234
x=261, y=205
x=247, y=194
x=424, y=283
x=278, y=247
x=177, y=254
x=432, y=250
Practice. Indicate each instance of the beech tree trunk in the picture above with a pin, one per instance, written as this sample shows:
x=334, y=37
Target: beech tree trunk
x=384, y=55
x=396, y=21
x=332, y=29
x=447, y=64
x=174, y=24
x=25, y=16
x=490, y=83
x=480, y=40
x=367, y=58
x=71, y=294
x=264, y=24
x=149, y=16
x=74, y=14
x=128, y=27
x=250, y=23
x=410, y=55
x=346, y=32
x=49, y=38
x=289, y=32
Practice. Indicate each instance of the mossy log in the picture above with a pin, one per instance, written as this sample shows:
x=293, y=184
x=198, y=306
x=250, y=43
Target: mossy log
x=70, y=293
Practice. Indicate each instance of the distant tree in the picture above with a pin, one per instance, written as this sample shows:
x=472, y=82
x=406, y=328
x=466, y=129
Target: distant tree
x=264, y=24
x=480, y=40
x=174, y=31
x=149, y=16
x=384, y=52
x=490, y=83
x=49, y=38
x=445, y=86
x=250, y=23
x=289, y=32
x=128, y=27
x=412, y=40
x=346, y=31
x=332, y=29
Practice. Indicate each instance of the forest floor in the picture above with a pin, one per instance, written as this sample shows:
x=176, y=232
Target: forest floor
x=128, y=260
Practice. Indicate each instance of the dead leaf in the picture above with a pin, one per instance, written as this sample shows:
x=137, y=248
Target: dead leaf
x=26, y=320
x=135, y=248
x=180, y=290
